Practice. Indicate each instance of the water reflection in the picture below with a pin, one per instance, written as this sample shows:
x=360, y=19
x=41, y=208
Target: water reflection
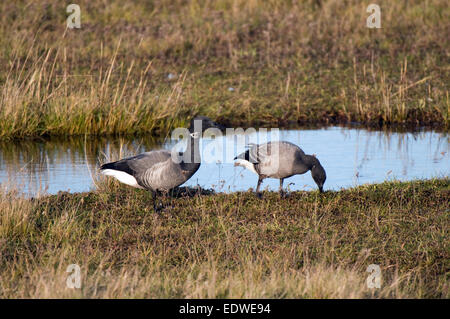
x=63, y=164
x=350, y=156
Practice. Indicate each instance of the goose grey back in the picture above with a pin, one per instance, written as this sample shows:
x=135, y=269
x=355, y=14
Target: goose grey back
x=280, y=160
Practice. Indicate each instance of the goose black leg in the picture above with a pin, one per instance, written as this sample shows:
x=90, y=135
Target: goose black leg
x=258, y=194
x=282, y=193
x=171, y=195
x=155, y=198
x=154, y=201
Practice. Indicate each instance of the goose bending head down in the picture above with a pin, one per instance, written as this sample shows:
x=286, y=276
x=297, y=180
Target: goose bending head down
x=280, y=160
x=157, y=170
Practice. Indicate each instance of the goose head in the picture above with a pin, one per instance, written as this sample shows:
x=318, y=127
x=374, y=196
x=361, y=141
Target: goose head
x=319, y=175
x=200, y=124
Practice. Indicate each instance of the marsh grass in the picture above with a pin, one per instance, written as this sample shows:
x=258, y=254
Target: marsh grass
x=228, y=245
x=288, y=63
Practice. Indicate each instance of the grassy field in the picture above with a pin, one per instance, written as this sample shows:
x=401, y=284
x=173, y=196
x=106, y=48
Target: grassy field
x=148, y=66
x=229, y=245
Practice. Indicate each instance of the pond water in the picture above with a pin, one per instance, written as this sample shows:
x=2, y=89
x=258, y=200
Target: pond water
x=350, y=157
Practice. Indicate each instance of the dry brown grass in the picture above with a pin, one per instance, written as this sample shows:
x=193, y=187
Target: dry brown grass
x=289, y=63
x=229, y=246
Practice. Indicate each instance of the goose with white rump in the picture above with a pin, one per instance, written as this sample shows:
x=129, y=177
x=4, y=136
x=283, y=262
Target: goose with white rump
x=159, y=170
x=280, y=160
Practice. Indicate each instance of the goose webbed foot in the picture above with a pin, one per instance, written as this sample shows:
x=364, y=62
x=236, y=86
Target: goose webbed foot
x=158, y=207
x=284, y=194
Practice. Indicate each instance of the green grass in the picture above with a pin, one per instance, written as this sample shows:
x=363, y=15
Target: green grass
x=290, y=63
x=229, y=245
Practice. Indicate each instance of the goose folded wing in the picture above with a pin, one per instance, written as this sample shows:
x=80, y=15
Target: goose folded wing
x=137, y=165
x=150, y=166
x=256, y=153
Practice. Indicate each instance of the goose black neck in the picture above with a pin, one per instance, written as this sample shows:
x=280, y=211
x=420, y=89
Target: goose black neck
x=310, y=160
x=191, y=157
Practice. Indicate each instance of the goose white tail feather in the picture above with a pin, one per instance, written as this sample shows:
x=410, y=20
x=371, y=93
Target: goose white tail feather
x=245, y=164
x=122, y=177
